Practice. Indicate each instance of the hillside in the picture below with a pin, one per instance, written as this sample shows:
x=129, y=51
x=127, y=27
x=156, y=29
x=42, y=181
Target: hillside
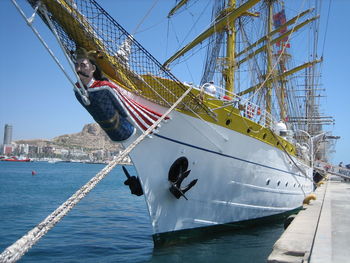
x=92, y=137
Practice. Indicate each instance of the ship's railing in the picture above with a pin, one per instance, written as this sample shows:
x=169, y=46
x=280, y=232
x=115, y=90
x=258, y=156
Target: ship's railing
x=333, y=169
x=247, y=108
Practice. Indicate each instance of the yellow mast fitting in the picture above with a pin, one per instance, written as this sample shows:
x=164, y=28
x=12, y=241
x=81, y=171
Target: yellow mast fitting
x=281, y=37
x=218, y=26
x=269, y=68
x=283, y=75
x=288, y=23
x=282, y=92
x=177, y=7
x=228, y=71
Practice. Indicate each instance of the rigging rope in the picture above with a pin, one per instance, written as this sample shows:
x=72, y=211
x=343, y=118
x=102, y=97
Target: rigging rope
x=277, y=61
x=144, y=18
x=21, y=246
x=326, y=31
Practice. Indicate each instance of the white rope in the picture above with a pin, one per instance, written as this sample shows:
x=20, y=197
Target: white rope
x=21, y=246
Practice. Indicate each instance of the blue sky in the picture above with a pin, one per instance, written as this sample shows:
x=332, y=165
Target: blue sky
x=38, y=100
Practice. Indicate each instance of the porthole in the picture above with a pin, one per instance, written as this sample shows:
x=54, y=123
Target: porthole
x=286, y=184
x=268, y=181
x=248, y=130
x=228, y=121
x=264, y=136
x=278, y=183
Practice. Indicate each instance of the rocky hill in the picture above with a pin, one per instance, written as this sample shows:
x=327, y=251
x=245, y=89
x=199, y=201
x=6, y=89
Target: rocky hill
x=92, y=137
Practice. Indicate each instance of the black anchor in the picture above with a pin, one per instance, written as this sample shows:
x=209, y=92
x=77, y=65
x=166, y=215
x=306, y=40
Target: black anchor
x=177, y=173
x=133, y=182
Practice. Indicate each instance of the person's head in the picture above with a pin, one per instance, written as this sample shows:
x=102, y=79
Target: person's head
x=86, y=67
x=85, y=70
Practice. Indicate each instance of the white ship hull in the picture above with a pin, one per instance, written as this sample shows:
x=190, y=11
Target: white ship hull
x=239, y=177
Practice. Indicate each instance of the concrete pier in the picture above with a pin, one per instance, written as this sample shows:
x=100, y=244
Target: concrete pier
x=321, y=232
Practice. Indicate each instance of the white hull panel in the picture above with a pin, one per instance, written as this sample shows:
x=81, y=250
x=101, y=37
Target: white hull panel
x=239, y=177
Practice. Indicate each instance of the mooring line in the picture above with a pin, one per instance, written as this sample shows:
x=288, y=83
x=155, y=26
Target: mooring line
x=22, y=245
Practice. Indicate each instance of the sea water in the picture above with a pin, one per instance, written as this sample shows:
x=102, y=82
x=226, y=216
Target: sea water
x=109, y=224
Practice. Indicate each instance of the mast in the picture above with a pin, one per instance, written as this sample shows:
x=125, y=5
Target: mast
x=228, y=72
x=282, y=89
x=272, y=41
x=283, y=81
x=269, y=67
x=219, y=25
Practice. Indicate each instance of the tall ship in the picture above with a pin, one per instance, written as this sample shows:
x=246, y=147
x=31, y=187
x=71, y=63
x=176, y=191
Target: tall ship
x=236, y=147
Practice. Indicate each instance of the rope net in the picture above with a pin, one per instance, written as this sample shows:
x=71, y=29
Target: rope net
x=83, y=23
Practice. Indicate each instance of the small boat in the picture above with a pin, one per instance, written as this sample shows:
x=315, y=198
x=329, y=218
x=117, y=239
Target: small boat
x=14, y=159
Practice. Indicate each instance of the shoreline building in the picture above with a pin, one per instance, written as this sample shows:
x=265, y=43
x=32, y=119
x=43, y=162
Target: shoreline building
x=7, y=146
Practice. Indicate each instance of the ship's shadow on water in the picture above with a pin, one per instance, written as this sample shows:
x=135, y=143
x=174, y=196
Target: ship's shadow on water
x=244, y=243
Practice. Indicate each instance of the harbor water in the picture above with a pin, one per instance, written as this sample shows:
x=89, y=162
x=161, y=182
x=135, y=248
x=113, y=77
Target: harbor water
x=109, y=224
